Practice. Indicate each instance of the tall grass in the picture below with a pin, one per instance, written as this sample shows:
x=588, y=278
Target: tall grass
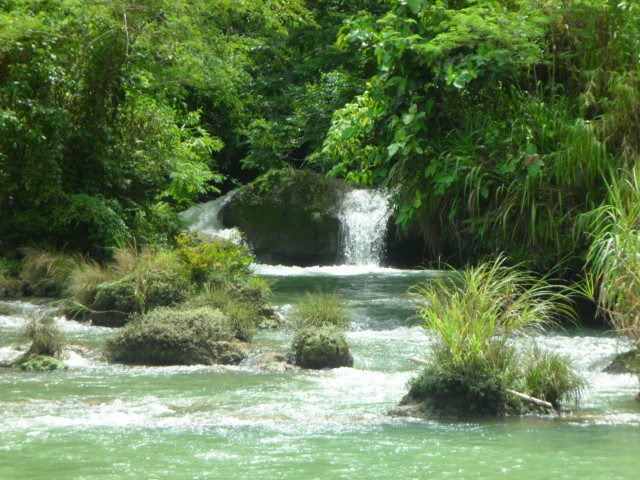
x=320, y=310
x=47, y=273
x=45, y=338
x=551, y=377
x=475, y=310
x=615, y=254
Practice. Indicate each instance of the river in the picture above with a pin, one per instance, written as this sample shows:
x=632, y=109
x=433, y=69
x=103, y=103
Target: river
x=101, y=421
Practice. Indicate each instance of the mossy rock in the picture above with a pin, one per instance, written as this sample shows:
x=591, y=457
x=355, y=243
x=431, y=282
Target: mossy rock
x=317, y=350
x=626, y=362
x=289, y=217
x=115, y=302
x=167, y=336
x=40, y=363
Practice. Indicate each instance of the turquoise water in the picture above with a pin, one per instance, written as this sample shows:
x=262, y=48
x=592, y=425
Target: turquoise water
x=100, y=421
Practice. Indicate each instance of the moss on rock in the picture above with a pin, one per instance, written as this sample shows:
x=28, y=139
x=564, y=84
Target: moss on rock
x=115, y=302
x=289, y=216
x=168, y=336
x=321, y=349
x=39, y=363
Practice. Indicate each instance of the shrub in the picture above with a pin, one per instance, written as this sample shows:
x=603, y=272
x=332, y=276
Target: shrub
x=114, y=302
x=473, y=313
x=551, y=377
x=220, y=256
x=45, y=337
x=244, y=317
x=168, y=336
x=320, y=309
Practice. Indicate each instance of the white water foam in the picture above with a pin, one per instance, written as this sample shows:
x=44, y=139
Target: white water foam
x=205, y=218
x=332, y=270
x=364, y=215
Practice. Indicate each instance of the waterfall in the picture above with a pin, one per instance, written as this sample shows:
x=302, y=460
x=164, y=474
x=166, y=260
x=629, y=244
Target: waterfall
x=364, y=214
x=205, y=218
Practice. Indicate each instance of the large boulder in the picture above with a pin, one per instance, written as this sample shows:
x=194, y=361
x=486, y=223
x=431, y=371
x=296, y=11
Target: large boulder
x=167, y=336
x=289, y=217
x=321, y=349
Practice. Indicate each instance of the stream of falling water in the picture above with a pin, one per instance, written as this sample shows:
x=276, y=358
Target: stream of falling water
x=364, y=215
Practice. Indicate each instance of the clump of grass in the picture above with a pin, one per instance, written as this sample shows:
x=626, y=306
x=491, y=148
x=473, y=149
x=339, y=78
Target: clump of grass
x=615, y=255
x=473, y=313
x=243, y=317
x=551, y=377
x=83, y=279
x=45, y=337
x=320, y=310
x=319, y=322
x=46, y=273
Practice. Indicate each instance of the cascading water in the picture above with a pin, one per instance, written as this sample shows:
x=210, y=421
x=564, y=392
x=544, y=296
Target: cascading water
x=205, y=218
x=364, y=215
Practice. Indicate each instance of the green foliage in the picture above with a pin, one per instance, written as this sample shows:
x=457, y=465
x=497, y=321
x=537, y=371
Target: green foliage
x=167, y=336
x=101, y=109
x=473, y=314
x=300, y=77
x=42, y=363
x=551, y=377
x=319, y=310
x=45, y=337
x=614, y=255
x=219, y=257
x=496, y=123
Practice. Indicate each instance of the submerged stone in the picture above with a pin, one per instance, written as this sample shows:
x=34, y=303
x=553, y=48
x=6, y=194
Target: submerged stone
x=317, y=350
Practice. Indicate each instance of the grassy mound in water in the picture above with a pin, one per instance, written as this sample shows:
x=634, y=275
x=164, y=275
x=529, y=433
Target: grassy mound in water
x=319, y=322
x=187, y=336
x=474, y=367
x=45, y=349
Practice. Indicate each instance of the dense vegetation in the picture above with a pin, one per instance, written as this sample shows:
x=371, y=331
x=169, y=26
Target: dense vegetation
x=497, y=123
x=500, y=126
